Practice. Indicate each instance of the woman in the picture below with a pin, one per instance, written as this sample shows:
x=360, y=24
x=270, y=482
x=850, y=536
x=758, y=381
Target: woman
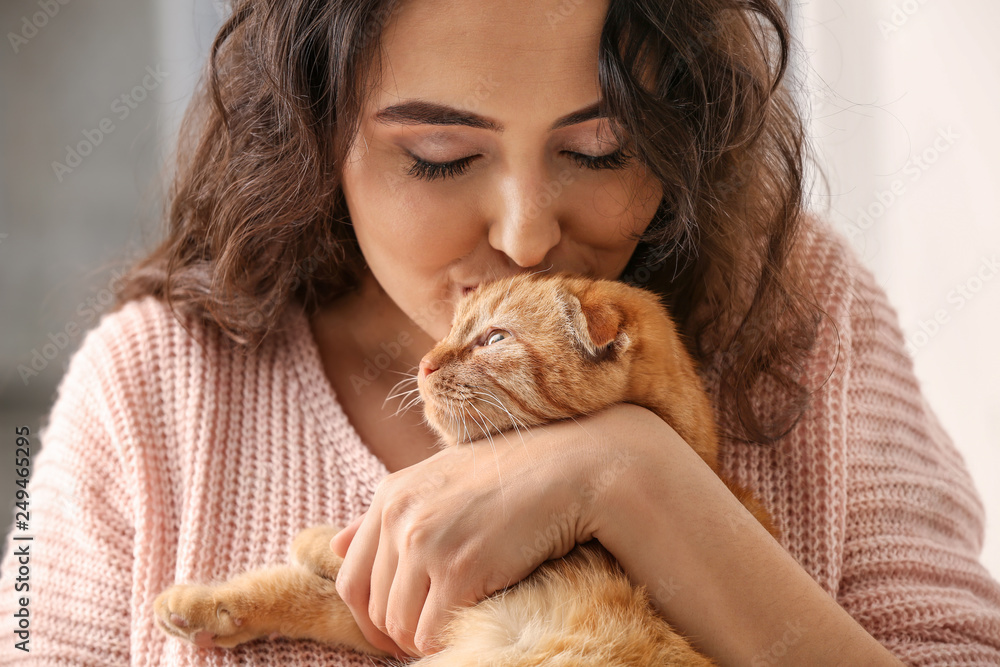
x=352, y=170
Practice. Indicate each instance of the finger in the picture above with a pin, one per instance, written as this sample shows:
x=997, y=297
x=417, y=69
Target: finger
x=342, y=540
x=433, y=619
x=354, y=583
x=383, y=572
x=406, y=601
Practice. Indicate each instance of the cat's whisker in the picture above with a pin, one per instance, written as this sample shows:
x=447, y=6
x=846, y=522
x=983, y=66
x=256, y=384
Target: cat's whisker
x=582, y=427
x=496, y=458
x=452, y=422
x=517, y=422
x=404, y=397
x=514, y=420
x=413, y=401
x=485, y=398
x=412, y=372
x=535, y=273
x=397, y=394
x=411, y=377
x=509, y=285
x=402, y=393
x=465, y=428
x=466, y=438
x=486, y=431
x=473, y=447
x=413, y=393
x=398, y=387
x=495, y=402
x=416, y=400
x=482, y=427
x=407, y=400
x=452, y=418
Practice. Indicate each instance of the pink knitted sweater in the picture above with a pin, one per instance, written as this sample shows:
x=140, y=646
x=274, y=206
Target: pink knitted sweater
x=166, y=461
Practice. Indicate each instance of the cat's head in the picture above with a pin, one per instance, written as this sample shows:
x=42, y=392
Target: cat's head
x=524, y=351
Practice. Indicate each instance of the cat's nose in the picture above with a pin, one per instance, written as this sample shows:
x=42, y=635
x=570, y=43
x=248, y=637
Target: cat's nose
x=427, y=367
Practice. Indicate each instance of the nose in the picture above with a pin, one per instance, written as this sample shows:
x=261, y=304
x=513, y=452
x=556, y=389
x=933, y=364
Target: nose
x=427, y=366
x=526, y=225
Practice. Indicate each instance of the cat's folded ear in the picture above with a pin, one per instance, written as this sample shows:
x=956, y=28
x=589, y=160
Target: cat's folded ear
x=597, y=325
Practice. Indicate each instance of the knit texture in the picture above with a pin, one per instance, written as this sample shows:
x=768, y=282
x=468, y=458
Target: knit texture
x=169, y=458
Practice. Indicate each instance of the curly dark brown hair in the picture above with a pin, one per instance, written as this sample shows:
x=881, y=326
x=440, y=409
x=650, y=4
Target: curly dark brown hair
x=257, y=217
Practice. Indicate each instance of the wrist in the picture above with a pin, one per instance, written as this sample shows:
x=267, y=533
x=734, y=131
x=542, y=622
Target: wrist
x=712, y=570
x=618, y=467
x=573, y=473
x=585, y=463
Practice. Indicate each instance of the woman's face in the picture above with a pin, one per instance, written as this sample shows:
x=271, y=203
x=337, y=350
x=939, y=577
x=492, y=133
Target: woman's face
x=480, y=154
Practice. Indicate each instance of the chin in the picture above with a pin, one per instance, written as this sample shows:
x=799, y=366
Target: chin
x=434, y=316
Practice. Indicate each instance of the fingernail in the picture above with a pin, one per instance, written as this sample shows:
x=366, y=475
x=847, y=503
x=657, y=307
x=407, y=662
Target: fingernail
x=335, y=550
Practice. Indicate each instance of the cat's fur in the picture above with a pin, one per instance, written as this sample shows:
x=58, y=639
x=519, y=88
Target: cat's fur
x=572, y=346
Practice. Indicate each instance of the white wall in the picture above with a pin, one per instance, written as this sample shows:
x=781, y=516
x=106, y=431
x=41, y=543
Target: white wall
x=184, y=30
x=79, y=156
x=905, y=97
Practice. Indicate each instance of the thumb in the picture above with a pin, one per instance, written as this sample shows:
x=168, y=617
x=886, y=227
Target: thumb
x=343, y=539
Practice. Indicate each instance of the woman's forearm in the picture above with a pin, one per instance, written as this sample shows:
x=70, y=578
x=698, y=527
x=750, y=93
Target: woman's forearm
x=713, y=571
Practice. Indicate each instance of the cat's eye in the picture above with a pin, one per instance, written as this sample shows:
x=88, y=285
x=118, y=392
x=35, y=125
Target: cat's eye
x=496, y=337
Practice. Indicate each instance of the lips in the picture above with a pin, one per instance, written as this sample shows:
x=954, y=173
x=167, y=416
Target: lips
x=468, y=288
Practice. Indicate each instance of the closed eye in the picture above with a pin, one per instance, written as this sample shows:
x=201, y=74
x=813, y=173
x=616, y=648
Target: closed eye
x=430, y=171
x=615, y=160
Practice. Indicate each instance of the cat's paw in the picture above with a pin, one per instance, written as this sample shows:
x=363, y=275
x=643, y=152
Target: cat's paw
x=311, y=549
x=202, y=615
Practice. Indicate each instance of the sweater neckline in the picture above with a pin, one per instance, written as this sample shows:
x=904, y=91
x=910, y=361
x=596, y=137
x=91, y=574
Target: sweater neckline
x=316, y=386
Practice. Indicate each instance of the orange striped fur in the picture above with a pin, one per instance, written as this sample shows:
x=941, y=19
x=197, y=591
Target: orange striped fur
x=567, y=346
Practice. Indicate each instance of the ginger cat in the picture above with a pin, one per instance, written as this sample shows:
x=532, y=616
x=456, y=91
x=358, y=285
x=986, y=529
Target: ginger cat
x=599, y=342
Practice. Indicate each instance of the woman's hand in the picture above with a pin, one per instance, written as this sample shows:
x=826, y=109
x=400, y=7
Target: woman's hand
x=473, y=519
x=447, y=533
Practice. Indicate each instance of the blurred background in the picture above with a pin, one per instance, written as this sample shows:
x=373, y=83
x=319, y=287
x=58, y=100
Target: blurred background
x=902, y=97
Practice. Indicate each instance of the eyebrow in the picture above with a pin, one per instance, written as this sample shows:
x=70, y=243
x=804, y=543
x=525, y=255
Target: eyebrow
x=420, y=112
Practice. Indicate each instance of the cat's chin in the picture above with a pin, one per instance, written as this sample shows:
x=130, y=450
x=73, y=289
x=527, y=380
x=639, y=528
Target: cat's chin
x=448, y=438
x=455, y=439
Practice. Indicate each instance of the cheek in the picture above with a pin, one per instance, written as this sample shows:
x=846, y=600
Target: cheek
x=421, y=231
x=629, y=198
x=403, y=220
x=610, y=214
